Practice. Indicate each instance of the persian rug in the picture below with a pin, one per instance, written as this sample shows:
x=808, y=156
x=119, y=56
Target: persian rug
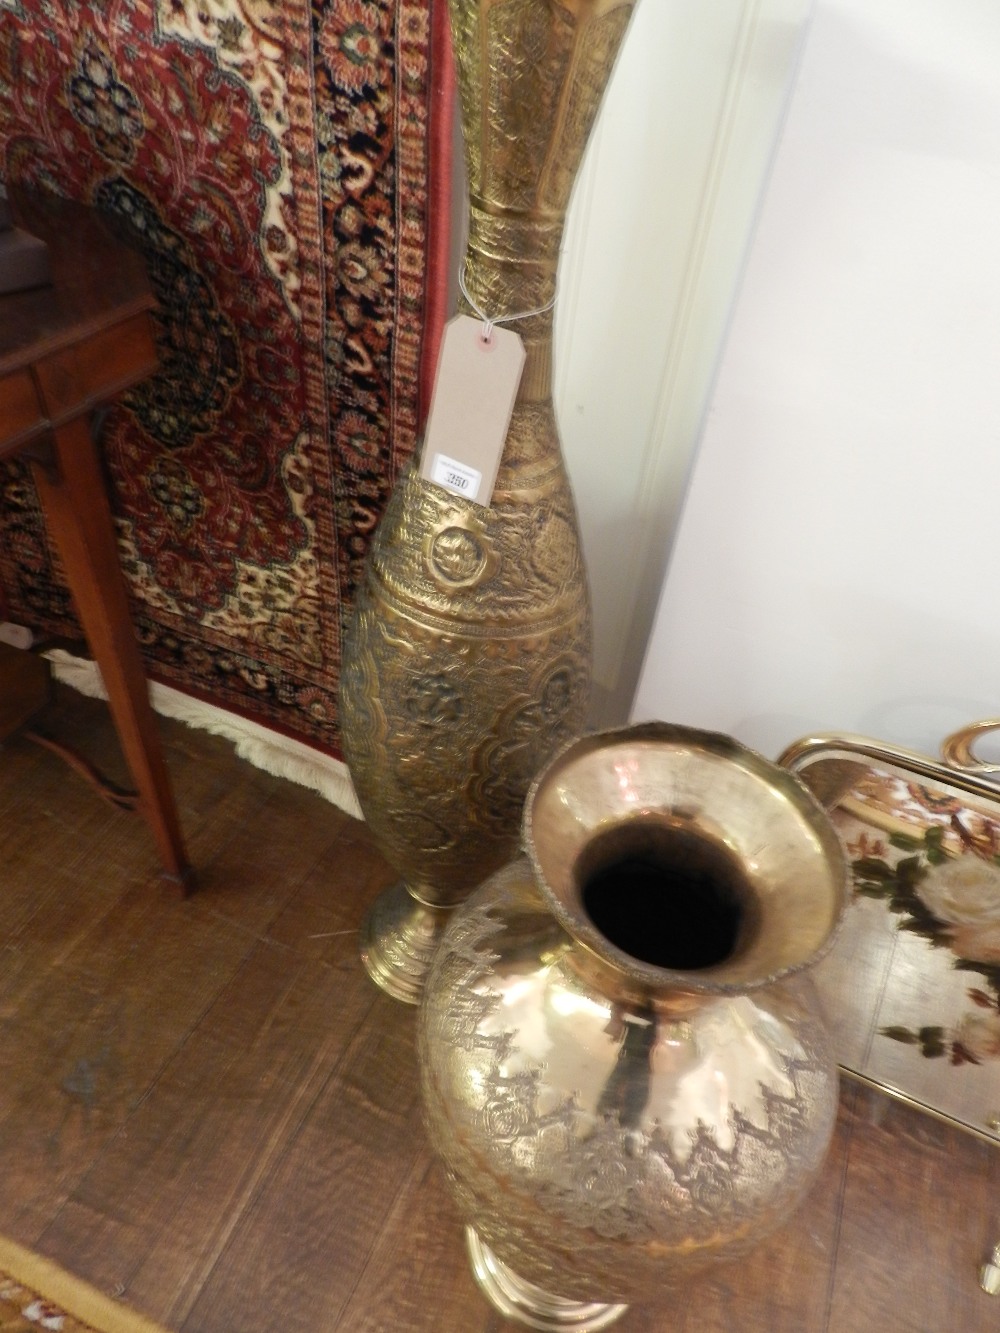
x=37, y=1294
x=283, y=166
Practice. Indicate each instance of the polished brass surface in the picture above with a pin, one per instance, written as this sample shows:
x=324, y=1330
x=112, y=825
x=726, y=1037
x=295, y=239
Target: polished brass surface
x=610, y=1126
x=956, y=749
x=530, y=1305
x=655, y=777
x=989, y=1274
x=398, y=941
x=467, y=659
x=814, y=757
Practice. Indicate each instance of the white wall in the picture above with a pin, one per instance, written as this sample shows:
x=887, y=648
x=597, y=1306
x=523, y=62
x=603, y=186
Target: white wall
x=655, y=241
x=838, y=558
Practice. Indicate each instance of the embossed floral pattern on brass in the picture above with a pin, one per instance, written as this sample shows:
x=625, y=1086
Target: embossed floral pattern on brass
x=467, y=660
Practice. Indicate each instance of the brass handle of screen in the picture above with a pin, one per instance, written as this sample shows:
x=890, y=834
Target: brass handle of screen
x=956, y=749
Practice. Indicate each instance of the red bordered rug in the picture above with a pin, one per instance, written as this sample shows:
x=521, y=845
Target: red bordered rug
x=283, y=166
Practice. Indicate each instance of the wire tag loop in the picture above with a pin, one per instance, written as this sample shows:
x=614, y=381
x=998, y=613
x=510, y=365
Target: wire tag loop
x=490, y=322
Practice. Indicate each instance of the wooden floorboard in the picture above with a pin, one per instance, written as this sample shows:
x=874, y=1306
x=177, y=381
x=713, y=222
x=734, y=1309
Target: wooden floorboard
x=208, y=1110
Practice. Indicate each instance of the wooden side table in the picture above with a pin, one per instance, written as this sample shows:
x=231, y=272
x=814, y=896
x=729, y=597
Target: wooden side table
x=66, y=349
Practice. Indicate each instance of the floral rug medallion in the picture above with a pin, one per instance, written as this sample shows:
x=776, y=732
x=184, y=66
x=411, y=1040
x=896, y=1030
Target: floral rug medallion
x=273, y=161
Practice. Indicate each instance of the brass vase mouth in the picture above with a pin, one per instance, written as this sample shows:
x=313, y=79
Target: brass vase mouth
x=684, y=859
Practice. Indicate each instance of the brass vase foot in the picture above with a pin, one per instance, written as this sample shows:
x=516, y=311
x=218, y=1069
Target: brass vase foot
x=522, y=1301
x=398, y=941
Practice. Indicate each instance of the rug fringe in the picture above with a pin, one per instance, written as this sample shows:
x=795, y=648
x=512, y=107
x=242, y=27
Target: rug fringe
x=280, y=755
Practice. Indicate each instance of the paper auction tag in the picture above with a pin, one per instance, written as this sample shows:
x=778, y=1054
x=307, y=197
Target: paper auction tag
x=474, y=394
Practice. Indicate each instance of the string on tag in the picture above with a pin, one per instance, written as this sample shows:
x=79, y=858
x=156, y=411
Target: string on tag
x=489, y=322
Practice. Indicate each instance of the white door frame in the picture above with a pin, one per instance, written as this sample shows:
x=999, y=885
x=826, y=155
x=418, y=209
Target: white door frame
x=658, y=230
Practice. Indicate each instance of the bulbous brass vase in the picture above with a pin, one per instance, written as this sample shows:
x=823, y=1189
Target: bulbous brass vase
x=467, y=657
x=624, y=1068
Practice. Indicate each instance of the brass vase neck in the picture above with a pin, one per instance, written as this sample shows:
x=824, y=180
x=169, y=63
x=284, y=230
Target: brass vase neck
x=510, y=274
x=683, y=860
x=531, y=74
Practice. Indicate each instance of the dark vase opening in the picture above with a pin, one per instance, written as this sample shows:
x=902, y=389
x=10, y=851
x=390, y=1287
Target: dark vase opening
x=666, y=896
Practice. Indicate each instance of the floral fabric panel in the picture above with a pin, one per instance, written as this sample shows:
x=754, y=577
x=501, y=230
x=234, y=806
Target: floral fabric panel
x=912, y=987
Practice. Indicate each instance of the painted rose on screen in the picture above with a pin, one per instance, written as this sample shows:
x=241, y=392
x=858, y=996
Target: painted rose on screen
x=979, y=944
x=978, y=1035
x=954, y=903
x=964, y=895
x=963, y=892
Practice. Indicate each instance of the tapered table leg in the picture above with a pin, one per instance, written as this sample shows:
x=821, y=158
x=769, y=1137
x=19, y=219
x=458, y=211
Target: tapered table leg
x=71, y=490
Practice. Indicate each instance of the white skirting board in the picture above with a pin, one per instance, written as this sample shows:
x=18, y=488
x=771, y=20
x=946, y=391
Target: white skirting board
x=266, y=749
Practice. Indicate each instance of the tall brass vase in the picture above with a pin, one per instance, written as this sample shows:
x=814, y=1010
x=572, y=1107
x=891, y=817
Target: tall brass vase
x=467, y=660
